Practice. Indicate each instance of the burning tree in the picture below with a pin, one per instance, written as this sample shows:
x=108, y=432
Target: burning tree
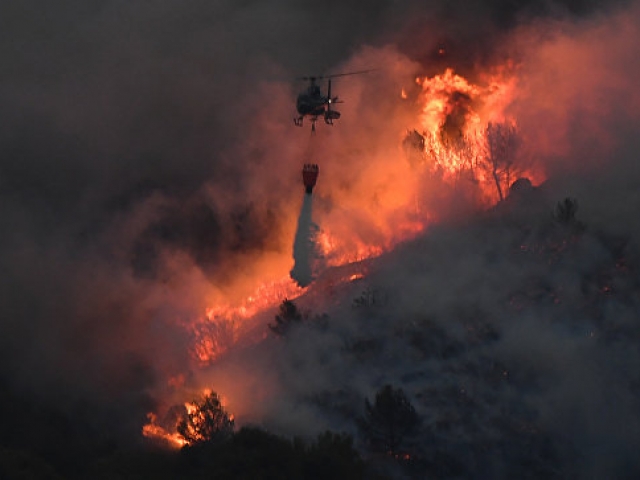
x=389, y=420
x=462, y=145
x=484, y=157
x=501, y=144
x=206, y=421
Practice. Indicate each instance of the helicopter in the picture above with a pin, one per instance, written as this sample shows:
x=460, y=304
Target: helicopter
x=312, y=103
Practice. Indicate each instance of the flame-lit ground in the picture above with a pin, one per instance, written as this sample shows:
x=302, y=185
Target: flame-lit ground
x=461, y=142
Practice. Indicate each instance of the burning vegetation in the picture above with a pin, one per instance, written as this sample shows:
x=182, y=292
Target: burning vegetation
x=466, y=137
x=466, y=143
x=458, y=296
x=462, y=143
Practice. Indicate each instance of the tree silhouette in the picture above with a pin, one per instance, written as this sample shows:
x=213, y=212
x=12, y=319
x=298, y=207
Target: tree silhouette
x=566, y=211
x=502, y=142
x=255, y=454
x=389, y=420
x=288, y=316
x=333, y=456
x=206, y=421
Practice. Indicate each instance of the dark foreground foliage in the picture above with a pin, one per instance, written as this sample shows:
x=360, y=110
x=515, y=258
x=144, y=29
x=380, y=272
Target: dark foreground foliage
x=251, y=454
x=389, y=420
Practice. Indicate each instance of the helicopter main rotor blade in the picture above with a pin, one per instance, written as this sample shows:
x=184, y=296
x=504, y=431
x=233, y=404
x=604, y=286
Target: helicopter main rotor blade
x=333, y=75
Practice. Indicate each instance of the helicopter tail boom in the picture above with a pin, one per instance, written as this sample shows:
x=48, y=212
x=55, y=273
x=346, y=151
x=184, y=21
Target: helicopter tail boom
x=330, y=116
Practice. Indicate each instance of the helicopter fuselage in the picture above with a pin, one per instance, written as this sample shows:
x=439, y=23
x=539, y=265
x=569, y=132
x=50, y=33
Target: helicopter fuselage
x=311, y=103
x=314, y=104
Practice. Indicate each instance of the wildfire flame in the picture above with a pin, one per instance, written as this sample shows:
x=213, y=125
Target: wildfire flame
x=461, y=130
x=154, y=431
x=224, y=323
x=454, y=121
x=467, y=133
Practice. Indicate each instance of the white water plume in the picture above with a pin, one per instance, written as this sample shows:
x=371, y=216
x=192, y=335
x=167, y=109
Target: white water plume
x=305, y=251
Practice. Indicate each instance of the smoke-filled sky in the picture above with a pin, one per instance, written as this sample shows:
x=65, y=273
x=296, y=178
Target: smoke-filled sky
x=149, y=165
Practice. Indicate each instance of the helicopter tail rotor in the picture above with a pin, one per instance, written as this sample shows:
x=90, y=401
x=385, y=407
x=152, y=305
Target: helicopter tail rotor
x=329, y=114
x=331, y=100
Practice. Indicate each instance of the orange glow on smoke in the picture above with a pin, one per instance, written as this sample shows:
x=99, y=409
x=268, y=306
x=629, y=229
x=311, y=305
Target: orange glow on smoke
x=391, y=199
x=453, y=116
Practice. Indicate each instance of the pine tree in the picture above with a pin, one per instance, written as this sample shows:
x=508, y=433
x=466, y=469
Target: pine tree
x=288, y=316
x=389, y=420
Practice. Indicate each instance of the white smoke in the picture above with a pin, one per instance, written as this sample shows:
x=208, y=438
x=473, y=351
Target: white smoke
x=305, y=251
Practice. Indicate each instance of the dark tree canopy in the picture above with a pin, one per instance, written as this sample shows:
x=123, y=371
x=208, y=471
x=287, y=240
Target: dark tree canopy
x=287, y=317
x=389, y=420
x=566, y=210
x=333, y=456
x=206, y=421
x=255, y=454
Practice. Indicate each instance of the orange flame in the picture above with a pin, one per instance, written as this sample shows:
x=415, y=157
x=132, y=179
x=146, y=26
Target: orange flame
x=453, y=129
x=154, y=431
x=461, y=123
x=453, y=120
x=224, y=323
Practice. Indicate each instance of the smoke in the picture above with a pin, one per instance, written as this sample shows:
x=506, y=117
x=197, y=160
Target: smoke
x=576, y=100
x=149, y=169
x=506, y=329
